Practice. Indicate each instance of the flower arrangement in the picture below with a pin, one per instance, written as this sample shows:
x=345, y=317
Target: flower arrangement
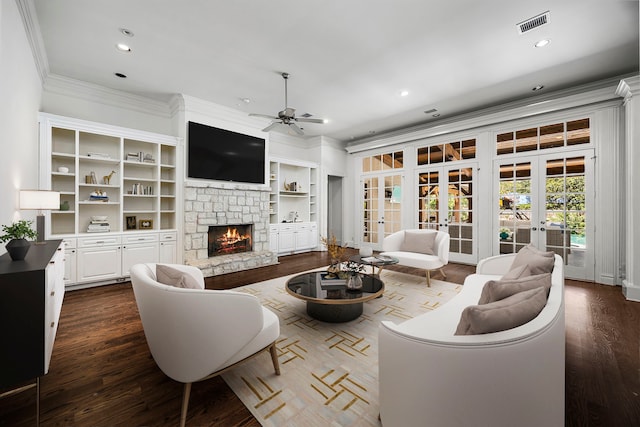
x=336, y=252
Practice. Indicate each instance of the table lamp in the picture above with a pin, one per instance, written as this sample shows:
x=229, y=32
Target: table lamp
x=39, y=200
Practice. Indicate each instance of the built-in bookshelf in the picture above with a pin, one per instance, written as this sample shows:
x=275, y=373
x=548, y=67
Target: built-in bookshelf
x=118, y=194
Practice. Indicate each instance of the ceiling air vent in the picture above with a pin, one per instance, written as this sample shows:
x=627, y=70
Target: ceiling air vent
x=535, y=22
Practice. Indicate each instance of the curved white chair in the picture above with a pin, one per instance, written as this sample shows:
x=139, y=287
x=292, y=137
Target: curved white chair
x=396, y=246
x=196, y=334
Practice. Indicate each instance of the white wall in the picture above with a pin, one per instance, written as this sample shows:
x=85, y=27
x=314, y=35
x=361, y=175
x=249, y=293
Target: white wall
x=20, y=91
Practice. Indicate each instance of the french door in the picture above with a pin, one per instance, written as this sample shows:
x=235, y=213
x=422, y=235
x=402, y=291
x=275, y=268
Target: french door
x=446, y=203
x=382, y=207
x=548, y=200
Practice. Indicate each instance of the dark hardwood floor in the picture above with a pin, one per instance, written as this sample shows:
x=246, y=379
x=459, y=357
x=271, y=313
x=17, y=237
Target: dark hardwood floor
x=102, y=373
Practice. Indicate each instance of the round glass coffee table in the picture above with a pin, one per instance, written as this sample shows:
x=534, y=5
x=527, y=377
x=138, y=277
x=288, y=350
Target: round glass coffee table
x=333, y=303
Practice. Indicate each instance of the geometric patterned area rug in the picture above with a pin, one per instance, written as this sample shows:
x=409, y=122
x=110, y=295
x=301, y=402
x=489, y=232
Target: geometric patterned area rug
x=329, y=371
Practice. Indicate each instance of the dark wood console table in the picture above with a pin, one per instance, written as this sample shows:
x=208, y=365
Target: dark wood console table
x=31, y=294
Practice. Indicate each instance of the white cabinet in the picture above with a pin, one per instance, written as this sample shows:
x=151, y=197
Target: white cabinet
x=99, y=259
x=70, y=261
x=273, y=238
x=138, y=249
x=168, y=248
x=294, y=237
x=286, y=239
x=54, y=295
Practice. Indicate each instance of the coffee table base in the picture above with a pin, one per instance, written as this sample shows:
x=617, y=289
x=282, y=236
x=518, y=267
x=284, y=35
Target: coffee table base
x=334, y=313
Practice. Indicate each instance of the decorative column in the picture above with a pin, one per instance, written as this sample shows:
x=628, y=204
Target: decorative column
x=629, y=89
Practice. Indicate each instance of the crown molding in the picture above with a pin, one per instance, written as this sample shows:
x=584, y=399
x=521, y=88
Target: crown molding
x=628, y=87
x=29, y=17
x=577, y=96
x=61, y=85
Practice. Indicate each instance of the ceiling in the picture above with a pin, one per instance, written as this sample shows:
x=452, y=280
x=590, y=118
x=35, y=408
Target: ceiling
x=348, y=60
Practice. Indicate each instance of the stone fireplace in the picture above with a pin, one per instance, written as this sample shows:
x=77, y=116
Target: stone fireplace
x=229, y=239
x=228, y=206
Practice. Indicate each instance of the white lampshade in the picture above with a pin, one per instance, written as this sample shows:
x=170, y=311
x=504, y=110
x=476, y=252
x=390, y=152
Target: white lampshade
x=39, y=199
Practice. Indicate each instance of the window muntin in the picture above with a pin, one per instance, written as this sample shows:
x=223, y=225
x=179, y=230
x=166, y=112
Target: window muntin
x=554, y=135
x=447, y=152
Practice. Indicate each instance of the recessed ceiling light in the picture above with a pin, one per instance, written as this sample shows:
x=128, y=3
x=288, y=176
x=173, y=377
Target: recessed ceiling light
x=436, y=115
x=123, y=47
x=126, y=32
x=542, y=43
x=537, y=88
x=122, y=76
x=245, y=100
x=404, y=92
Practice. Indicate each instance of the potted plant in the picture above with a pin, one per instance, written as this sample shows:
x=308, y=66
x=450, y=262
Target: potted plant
x=336, y=252
x=17, y=234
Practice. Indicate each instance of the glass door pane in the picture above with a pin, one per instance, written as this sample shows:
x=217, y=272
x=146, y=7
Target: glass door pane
x=429, y=199
x=392, y=215
x=514, y=206
x=370, y=210
x=565, y=229
x=460, y=210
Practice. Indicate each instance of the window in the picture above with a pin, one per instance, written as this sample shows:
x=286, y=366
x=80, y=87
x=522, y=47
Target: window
x=447, y=152
x=544, y=137
x=383, y=162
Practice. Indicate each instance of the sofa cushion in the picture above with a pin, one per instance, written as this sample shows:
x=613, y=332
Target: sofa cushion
x=507, y=313
x=495, y=290
x=518, y=272
x=171, y=276
x=419, y=241
x=538, y=261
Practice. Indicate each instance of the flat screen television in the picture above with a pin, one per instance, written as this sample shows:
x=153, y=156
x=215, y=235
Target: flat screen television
x=223, y=155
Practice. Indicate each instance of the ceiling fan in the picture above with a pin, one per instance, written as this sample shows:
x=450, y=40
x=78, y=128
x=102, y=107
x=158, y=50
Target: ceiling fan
x=287, y=117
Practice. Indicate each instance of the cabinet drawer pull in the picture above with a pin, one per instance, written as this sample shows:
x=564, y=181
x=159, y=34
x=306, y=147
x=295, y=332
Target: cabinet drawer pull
x=140, y=238
x=99, y=242
x=52, y=262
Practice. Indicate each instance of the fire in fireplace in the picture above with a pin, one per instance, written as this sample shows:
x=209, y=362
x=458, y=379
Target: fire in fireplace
x=230, y=239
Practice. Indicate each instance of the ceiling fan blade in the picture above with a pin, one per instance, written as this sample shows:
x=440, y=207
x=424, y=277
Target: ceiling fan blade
x=308, y=120
x=271, y=126
x=296, y=128
x=263, y=115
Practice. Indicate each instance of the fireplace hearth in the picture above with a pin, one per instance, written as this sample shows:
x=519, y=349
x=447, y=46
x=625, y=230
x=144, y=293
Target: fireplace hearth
x=230, y=239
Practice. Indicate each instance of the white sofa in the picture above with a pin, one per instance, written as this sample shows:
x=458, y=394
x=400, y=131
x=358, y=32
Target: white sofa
x=395, y=245
x=429, y=376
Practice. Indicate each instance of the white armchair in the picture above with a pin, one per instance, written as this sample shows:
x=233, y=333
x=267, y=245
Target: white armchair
x=196, y=334
x=412, y=248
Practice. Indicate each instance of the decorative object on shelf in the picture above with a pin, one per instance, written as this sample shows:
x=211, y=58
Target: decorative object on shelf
x=336, y=252
x=107, y=178
x=91, y=178
x=148, y=158
x=98, y=224
x=131, y=222
x=17, y=234
x=63, y=169
x=64, y=206
x=366, y=251
x=39, y=200
x=99, y=155
x=98, y=196
x=146, y=224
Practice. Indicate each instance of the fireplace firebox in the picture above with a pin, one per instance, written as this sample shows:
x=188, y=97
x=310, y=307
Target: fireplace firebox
x=230, y=239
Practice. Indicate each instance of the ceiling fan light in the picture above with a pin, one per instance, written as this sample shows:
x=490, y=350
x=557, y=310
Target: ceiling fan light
x=123, y=47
